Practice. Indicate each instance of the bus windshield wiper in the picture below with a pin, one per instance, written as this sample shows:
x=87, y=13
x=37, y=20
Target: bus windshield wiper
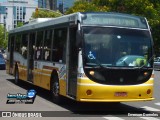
x=151, y=58
x=97, y=63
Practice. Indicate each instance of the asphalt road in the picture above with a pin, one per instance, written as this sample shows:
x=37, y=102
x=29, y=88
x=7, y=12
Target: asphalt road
x=43, y=105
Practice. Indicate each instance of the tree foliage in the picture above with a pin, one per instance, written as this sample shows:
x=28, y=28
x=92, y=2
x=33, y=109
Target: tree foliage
x=45, y=14
x=19, y=24
x=3, y=41
x=83, y=6
x=147, y=8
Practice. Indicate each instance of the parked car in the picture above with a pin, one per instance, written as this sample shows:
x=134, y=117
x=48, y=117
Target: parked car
x=2, y=63
x=157, y=63
x=3, y=52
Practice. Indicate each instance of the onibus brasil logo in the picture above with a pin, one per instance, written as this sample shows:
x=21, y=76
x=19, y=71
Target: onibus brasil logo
x=20, y=98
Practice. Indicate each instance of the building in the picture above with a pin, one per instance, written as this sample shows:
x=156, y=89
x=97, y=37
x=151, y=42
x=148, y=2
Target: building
x=42, y=3
x=49, y=4
x=63, y=5
x=14, y=11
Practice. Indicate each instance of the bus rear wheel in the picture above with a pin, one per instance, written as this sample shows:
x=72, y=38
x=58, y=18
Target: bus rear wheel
x=56, y=97
x=16, y=76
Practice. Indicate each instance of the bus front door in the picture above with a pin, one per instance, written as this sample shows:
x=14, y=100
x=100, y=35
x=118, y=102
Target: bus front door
x=72, y=63
x=30, y=60
x=11, y=50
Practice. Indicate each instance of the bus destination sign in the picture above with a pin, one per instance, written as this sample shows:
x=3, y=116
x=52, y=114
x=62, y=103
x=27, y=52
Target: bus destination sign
x=113, y=20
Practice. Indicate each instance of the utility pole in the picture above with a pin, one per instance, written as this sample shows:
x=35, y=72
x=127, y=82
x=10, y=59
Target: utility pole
x=61, y=6
x=13, y=15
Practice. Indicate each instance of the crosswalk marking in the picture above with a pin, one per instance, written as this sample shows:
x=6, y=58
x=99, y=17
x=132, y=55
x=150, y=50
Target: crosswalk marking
x=157, y=104
x=150, y=108
x=149, y=118
x=113, y=118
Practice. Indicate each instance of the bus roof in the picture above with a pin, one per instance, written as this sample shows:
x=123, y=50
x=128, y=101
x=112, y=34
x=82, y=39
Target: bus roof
x=40, y=23
x=88, y=18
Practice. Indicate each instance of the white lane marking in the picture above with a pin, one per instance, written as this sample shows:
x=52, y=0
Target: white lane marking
x=113, y=118
x=150, y=108
x=149, y=118
x=157, y=103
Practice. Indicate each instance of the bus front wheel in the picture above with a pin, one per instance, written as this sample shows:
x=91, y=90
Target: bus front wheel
x=56, y=98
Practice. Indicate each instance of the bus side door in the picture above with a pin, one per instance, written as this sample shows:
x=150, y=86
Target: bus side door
x=72, y=62
x=30, y=60
x=11, y=56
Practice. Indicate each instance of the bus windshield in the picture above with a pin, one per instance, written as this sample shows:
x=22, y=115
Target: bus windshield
x=117, y=47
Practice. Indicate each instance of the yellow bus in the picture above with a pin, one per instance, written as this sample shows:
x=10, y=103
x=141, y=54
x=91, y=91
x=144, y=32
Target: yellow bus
x=87, y=57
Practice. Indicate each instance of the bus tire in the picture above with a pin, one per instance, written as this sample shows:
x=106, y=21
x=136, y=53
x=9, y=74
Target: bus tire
x=56, y=97
x=16, y=76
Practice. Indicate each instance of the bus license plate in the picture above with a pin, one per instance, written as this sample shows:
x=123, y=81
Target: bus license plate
x=120, y=94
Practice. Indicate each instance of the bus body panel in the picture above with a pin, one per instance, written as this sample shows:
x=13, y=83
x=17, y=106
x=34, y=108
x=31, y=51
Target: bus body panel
x=7, y=66
x=63, y=87
x=45, y=79
x=106, y=93
x=22, y=72
x=37, y=76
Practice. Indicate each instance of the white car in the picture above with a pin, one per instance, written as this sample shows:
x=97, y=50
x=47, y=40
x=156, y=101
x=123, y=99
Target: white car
x=157, y=63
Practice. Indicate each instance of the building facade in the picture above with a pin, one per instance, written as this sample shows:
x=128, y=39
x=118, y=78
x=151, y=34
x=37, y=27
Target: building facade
x=14, y=11
x=42, y=3
x=63, y=5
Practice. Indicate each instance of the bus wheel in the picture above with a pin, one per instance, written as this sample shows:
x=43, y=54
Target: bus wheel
x=16, y=79
x=56, y=98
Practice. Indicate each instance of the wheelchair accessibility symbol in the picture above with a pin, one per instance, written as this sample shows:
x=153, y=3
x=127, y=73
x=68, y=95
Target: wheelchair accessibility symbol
x=91, y=55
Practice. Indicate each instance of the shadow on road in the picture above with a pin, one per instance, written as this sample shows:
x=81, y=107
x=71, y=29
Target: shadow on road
x=85, y=109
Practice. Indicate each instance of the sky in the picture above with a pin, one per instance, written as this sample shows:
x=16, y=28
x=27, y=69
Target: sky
x=2, y=0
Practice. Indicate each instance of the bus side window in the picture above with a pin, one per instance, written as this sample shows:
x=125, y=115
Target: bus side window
x=39, y=45
x=24, y=46
x=18, y=43
x=47, y=45
x=59, y=45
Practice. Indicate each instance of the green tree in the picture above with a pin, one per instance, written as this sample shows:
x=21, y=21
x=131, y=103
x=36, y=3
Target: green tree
x=45, y=14
x=19, y=24
x=3, y=33
x=147, y=8
x=83, y=6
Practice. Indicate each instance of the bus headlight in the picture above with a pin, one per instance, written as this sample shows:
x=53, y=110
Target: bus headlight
x=97, y=75
x=91, y=73
x=143, y=76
